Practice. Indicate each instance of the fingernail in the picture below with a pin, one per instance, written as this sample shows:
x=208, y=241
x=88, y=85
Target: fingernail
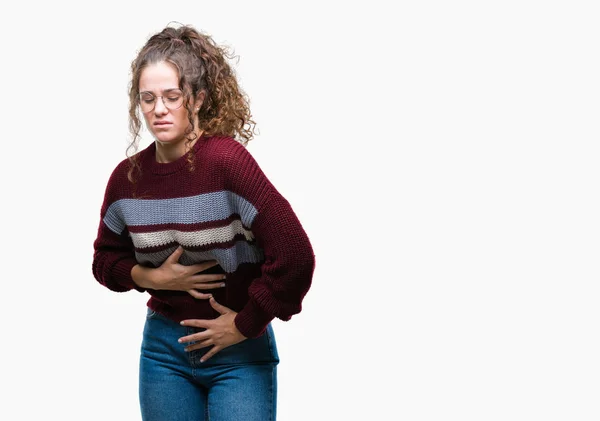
x=223, y=284
x=182, y=322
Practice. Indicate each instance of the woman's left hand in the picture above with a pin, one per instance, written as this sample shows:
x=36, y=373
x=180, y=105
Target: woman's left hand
x=220, y=332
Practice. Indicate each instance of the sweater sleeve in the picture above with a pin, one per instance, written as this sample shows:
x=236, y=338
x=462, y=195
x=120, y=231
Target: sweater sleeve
x=114, y=255
x=289, y=261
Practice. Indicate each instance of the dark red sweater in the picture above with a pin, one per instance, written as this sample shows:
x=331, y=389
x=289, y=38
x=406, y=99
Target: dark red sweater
x=226, y=210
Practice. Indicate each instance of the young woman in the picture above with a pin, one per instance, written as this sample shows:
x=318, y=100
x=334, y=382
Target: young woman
x=194, y=222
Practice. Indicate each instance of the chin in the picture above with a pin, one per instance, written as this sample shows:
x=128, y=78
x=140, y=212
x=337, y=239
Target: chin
x=164, y=138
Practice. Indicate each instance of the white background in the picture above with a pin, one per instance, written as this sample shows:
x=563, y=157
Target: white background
x=442, y=156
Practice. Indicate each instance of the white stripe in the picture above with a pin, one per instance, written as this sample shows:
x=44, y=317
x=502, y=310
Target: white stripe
x=191, y=238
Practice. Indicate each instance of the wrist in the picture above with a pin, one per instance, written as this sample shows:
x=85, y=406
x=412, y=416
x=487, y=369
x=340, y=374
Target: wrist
x=144, y=277
x=252, y=321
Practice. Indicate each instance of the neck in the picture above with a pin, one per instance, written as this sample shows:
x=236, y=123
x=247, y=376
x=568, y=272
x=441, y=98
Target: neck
x=168, y=152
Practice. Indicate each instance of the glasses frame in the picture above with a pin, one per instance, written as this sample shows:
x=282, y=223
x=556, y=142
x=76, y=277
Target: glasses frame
x=166, y=92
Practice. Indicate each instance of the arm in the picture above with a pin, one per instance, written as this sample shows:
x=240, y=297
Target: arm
x=114, y=256
x=287, y=271
x=114, y=261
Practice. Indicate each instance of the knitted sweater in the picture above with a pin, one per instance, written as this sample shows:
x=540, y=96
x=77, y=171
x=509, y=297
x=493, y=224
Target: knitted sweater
x=225, y=210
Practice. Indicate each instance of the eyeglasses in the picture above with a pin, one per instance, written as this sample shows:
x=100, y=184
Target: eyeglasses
x=171, y=98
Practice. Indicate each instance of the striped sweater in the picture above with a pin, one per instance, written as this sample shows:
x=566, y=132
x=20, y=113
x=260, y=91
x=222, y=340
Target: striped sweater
x=225, y=210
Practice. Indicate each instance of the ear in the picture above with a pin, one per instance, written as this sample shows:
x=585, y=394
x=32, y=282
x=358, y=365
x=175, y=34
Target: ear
x=199, y=100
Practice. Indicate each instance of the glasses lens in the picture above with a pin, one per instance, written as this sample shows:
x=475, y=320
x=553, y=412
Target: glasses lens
x=147, y=102
x=173, y=100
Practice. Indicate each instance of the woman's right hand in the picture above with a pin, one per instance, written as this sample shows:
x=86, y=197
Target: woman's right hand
x=174, y=276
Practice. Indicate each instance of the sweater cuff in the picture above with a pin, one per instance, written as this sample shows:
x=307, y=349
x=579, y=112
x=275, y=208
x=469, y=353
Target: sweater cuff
x=252, y=320
x=122, y=274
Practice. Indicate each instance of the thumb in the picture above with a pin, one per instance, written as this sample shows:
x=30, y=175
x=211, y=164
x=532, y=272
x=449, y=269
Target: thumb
x=220, y=308
x=174, y=257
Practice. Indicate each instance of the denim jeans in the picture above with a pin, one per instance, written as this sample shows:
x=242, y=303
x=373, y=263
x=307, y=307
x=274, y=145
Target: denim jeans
x=238, y=383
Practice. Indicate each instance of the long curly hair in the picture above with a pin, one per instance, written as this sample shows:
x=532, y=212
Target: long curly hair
x=202, y=65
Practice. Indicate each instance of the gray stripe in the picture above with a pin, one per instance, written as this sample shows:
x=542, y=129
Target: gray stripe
x=181, y=210
x=229, y=259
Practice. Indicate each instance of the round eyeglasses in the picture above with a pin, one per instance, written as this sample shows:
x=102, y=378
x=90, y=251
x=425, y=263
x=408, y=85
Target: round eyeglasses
x=171, y=98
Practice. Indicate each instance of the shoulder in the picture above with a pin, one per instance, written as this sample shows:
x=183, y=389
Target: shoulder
x=239, y=170
x=119, y=173
x=226, y=149
x=231, y=157
x=118, y=185
x=121, y=170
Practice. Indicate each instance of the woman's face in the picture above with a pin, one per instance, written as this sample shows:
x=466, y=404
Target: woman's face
x=159, y=85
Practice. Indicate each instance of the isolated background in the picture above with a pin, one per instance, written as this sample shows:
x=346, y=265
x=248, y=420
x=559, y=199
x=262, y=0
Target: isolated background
x=442, y=157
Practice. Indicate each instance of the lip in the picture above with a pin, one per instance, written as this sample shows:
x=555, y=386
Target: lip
x=163, y=123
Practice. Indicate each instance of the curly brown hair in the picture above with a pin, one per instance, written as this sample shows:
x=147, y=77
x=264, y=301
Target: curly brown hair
x=202, y=65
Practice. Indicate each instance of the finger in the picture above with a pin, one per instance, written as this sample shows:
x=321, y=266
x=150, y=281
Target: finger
x=208, y=277
x=198, y=345
x=174, y=257
x=220, y=308
x=206, y=324
x=197, y=337
x=199, y=295
x=199, y=267
x=210, y=353
x=209, y=285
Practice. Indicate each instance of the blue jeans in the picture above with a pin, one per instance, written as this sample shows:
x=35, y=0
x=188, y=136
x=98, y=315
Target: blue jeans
x=239, y=383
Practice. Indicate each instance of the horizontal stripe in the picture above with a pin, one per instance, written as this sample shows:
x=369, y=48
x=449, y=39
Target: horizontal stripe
x=191, y=239
x=228, y=258
x=224, y=245
x=180, y=210
x=186, y=227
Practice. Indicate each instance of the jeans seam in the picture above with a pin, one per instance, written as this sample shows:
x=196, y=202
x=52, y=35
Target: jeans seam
x=271, y=394
x=270, y=344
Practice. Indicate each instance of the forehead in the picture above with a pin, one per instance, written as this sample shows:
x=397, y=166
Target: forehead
x=157, y=77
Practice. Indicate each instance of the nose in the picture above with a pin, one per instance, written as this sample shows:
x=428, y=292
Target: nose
x=159, y=107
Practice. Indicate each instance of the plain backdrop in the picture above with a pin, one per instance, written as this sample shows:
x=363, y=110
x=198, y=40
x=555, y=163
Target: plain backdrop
x=443, y=158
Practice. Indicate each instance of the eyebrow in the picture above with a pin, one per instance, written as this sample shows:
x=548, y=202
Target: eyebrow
x=164, y=91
